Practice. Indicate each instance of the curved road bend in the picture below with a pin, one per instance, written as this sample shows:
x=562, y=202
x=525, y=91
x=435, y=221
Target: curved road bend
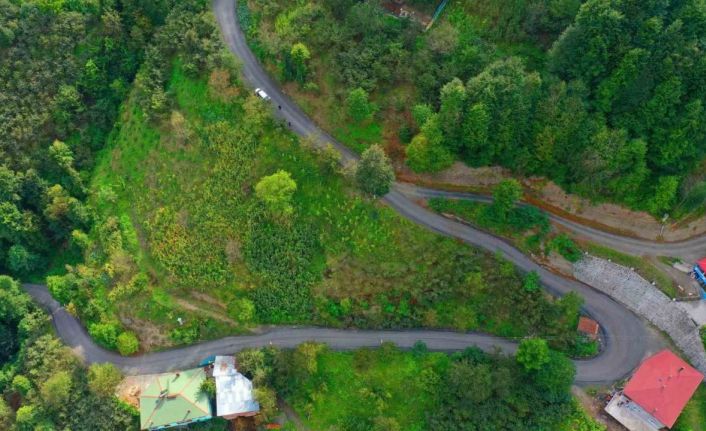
x=625, y=334
x=689, y=250
x=626, y=337
x=75, y=336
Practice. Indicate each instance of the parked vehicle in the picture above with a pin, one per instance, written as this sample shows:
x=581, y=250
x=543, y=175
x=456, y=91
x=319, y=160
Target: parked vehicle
x=260, y=92
x=699, y=274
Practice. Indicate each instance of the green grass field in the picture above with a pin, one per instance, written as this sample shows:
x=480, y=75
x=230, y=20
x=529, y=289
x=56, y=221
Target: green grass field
x=693, y=417
x=371, y=384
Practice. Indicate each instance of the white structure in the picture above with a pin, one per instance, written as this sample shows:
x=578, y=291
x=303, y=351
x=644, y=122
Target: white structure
x=631, y=415
x=234, y=393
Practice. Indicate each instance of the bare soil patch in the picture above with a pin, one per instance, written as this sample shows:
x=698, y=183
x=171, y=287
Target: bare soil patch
x=594, y=407
x=150, y=335
x=458, y=176
x=189, y=305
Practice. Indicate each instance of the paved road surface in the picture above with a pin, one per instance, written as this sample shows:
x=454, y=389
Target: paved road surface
x=76, y=337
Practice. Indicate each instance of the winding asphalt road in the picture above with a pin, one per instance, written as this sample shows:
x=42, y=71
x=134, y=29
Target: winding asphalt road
x=75, y=336
x=624, y=333
x=626, y=338
x=689, y=250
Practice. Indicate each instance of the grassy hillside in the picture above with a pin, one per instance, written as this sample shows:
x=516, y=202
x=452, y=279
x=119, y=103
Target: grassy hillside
x=181, y=234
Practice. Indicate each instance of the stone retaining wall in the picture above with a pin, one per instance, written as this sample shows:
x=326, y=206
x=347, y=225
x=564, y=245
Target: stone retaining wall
x=645, y=300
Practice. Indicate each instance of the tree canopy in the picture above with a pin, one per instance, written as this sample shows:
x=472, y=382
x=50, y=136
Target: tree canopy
x=374, y=173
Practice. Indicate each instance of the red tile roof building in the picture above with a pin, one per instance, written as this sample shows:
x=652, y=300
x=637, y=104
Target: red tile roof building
x=662, y=386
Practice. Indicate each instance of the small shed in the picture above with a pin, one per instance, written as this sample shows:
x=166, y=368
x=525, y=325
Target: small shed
x=174, y=399
x=588, y=327
x=234, y=392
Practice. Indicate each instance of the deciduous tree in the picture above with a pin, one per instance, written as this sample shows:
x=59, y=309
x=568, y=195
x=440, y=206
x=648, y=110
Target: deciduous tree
x=374, y=173
x=103, y=379
x=533, y=354
x=276, y=192
x=359, y=107
x=505, y=197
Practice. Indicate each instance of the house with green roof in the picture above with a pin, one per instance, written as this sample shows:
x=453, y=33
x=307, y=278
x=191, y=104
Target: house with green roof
x=174, y=399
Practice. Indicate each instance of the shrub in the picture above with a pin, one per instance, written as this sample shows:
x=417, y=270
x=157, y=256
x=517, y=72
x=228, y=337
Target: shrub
x=105, y=334
x=62, y=288
x=127, y=343
x=359, y=107
x=208, y=387
x=25, y=418
x=532, y=353
x=566, y=247
x=505, y=197
x=532, y=282
x=524, y=218
x=241, y=310
x=103, y=379
x=20, y=260
x=57, y=389
x=21, y=384
x=405, y=133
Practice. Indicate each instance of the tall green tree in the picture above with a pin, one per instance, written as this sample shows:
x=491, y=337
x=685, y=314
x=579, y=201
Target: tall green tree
x=475, y=148
x=359, y=107
x=300, y=56
x=509, y=94
x=427, y=152
x=505, y=197
x=533, y=354
x=57, y=389
x=374, y=173
x=451, y=113
x=276, y=192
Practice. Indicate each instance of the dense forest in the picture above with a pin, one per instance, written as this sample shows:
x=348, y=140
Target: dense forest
x=65, y=67
x=43, y=384
x=603, y=97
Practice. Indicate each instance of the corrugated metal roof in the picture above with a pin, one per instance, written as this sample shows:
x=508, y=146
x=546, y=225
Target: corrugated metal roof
x=174, y=399
x=234, y=392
